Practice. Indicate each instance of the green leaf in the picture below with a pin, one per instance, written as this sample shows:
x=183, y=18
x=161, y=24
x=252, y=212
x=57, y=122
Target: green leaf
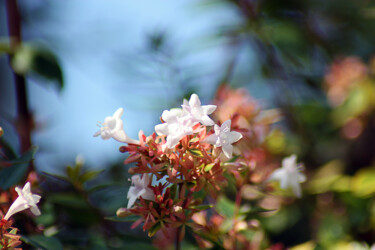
x=196, y=152
x=37, y=60
x=43, y=242
x=225, y=207
x=363, y=182
x=208, y=167
x=130, y=218
x=10, y=176
x=89, y=175
x=202, y=207
x=154, y=229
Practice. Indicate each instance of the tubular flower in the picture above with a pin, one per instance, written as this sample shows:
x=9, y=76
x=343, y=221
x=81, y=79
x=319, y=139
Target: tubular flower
x=140, y=189
x=224, y=138
x=112, y=127
x=197, y=112
x=24, y=201
x=289, y=175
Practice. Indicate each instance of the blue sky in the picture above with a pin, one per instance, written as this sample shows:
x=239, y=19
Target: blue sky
x=97, y=43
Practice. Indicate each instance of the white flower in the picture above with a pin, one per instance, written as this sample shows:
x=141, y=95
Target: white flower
x=112, y=127
x=140, y=189
x=224, y=138
x=199, y=113
x=24, y=201
x=289, y=175
x=176, y=126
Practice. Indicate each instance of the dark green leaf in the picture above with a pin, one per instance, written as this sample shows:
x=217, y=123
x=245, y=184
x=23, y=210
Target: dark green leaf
x=130, y=218
x=40, y=61
x=43, y=242
x=10, y=176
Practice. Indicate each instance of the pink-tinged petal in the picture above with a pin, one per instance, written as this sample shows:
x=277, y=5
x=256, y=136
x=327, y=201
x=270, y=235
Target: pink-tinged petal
x=118, y=113
x=228, y=150
x=162, y=129
x=194, y=101
x=207, y=121
x=234, y=137
x=208, y=109
x=211, y=139
x=148, y=195
x=146, y=179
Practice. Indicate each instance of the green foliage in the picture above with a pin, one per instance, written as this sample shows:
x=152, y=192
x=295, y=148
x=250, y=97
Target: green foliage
x=43, y=242
x=15, y=169
x=32, y=59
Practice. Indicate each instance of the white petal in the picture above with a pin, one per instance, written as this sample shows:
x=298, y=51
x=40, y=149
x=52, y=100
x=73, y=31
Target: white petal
x=211, y=139
x=118, y=113
x=225, y=125
x=194, y=101
x=35, y=210
x=297, y=190
x=162, y=129
x=26, y=189
x=301, y=177
x=97, y=133
x=171, y=115
x=208, y=109
x=36, y=198
x=277, y=175
x=172, y=141
x=228, y=150
x=234, y=136
x=289, y=162
x=207, y=121
x=131, y=201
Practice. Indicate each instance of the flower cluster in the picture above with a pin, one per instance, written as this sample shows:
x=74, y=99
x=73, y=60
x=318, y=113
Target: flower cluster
x=189, y=157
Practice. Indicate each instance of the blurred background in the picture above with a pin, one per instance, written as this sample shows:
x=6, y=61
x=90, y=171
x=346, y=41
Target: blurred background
x=312, y=60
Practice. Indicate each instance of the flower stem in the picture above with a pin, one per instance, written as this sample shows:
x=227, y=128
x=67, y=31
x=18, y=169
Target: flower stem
x=24, y=118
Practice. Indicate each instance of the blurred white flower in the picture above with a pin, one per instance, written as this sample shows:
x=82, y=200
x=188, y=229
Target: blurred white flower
x=224, y=138
x=199, y=113
x=289, y=175
x=24, y=201
x=140, y=189
x=176, y=126
x=112, y=127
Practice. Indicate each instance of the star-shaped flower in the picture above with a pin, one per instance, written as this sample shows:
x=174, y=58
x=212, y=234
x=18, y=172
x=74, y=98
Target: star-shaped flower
x=224, y=138
x=176, y=126
x=24, y=201
x=289, y=175
x=112, y=127
x=199, y=113
x=140, y=189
